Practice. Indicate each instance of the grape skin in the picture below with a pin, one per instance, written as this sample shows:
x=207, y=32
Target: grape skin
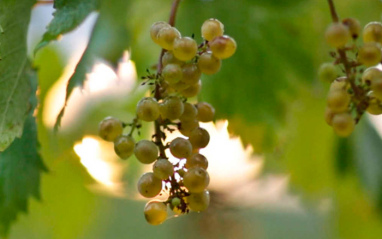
x=353, y=25
x=199, y=138
x=148, y=109
x=208, y=63
x=171, y=108
x=337, y=35
x=343, y=124
x=124, y=146
x=327, y=72
x=206, y=112
x=199, y=201
x=189, y=113
x=212, y=28
x=223, y=47
x=180, y=148
x=146, y=151
x=166, y=37
x=155, y=28
x=155, y=212
x=149, y=186
x=110, y=128
x=197, y=160
x=163, y=169
x=369, y=54
x=372, y=32
x=196, y=180
x=192, y=90
x=191, y=73
x=172, y=73
x=185, y=48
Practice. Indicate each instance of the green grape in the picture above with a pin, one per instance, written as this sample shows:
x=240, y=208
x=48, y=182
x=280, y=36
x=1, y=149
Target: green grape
x=376, y=87
x=199, y=201
x=124, y=146
x=187, y=126
x=169, y=58
x=197, y=160
x=212, y=28
x=337, y=35
x=371, y=74
x=353, y=25
x=340, y=84
x=338, y=100
x=155, y=28
x=155, y=212
x=148, y=109
x=199, y=138
x=190, y=112
x=166, y=37
x=206, y=112
x=327, y=72
x=343, y=124
x=192, y=90
x=171, y=108
x=149, y=186
x=191, y=73
x=372, y=32
x=196, y=180
x=375, y=106
x=223, y=47
x=181, y=172
x=175, y=202
x=185, y=48
x=179, y=86
x=146, y=151
x=329, y=114
x=180, y=148
x=110, y=128
x=172, y=73
x=208, y=63
x=163, y=169
x=369, y=54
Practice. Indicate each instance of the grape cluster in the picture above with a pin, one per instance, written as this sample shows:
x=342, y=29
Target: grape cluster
x=359, y=88
x=181, y=65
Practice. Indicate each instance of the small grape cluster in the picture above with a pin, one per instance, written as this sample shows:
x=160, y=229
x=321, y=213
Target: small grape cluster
x=181, y=65
x=359, y=89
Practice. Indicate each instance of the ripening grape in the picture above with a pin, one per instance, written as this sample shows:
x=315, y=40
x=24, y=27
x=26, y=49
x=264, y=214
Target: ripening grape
x=376, y=87
x=206, y=112
x=146, y=151
x=171, y=108
x=343, y=124
x=375, y=107
x=353, y=25
x=185, y=48
x=223, y=47
x=191, y=73
x=180, y=148
x=163, y=169
x=199, y=201
x=149, y=186
x=338, y=100
x=208, y=63
x=172, y=73
x=199, y=138
x=212, y=28
x=372, y=32
x=192, y=90
x=179, y=86
x=196, y=180
x=329, y=115
x=155, y=212
x=337, y=35
x=166, y=37
x=155, y=28
x=124, y=146
x=327, y=72
x=187, y=126
x=148, y=109
x=371, y=74
x=369, y=54
x=110, y=128
x=197, y=160
x=189, y=113
x=169, y=58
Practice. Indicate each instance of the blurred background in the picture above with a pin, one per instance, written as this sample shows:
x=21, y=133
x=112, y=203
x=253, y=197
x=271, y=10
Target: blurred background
x=277, y=170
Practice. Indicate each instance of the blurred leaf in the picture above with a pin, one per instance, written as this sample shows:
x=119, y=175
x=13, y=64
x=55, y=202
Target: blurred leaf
x=68, y=15
x=108, y=41
x=14, y=69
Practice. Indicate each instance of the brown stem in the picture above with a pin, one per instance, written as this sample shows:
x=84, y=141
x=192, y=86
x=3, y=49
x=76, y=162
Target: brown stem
x=333, y=11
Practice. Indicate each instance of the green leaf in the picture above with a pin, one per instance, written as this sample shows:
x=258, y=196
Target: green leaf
x=68, y=15
x=108, y=41
x=14, y=71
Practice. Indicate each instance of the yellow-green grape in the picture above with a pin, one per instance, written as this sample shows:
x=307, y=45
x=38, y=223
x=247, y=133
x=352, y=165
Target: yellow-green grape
x=376, y=87
x=199, y=138
x=166, y=37
x=327, y=72
x=353, y=25
x=148, y=109
x=206, y=112
x=212, y=28
x=197, y=160
x=372, y=32
x=181, y=172
x=124, y=146
x=192, y=90
x=180, y=148
x=375, y=107
x=110, y=128
x=191, y=73
x=338, y=100
x=155, y=28
x=371, y=74
x=196, y=180
x=185, y=48
x=172, y=73
x=187, y=126
x=155, y=212
x=337, y=35
x=190, y=112
x=329, y=114
x=223, y=47
x=171, y=108
x=208, y=63
x=340, y=84
x=343, y=124
x=179, y=86
x=199, y=201
x=146, y=151
x=163, y=169
x=370, y=54
x=149, y=186
x=169, y=58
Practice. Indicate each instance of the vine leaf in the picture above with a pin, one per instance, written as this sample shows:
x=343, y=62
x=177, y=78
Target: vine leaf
x=108, y=41
x=14, y=74
x=68, y=15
